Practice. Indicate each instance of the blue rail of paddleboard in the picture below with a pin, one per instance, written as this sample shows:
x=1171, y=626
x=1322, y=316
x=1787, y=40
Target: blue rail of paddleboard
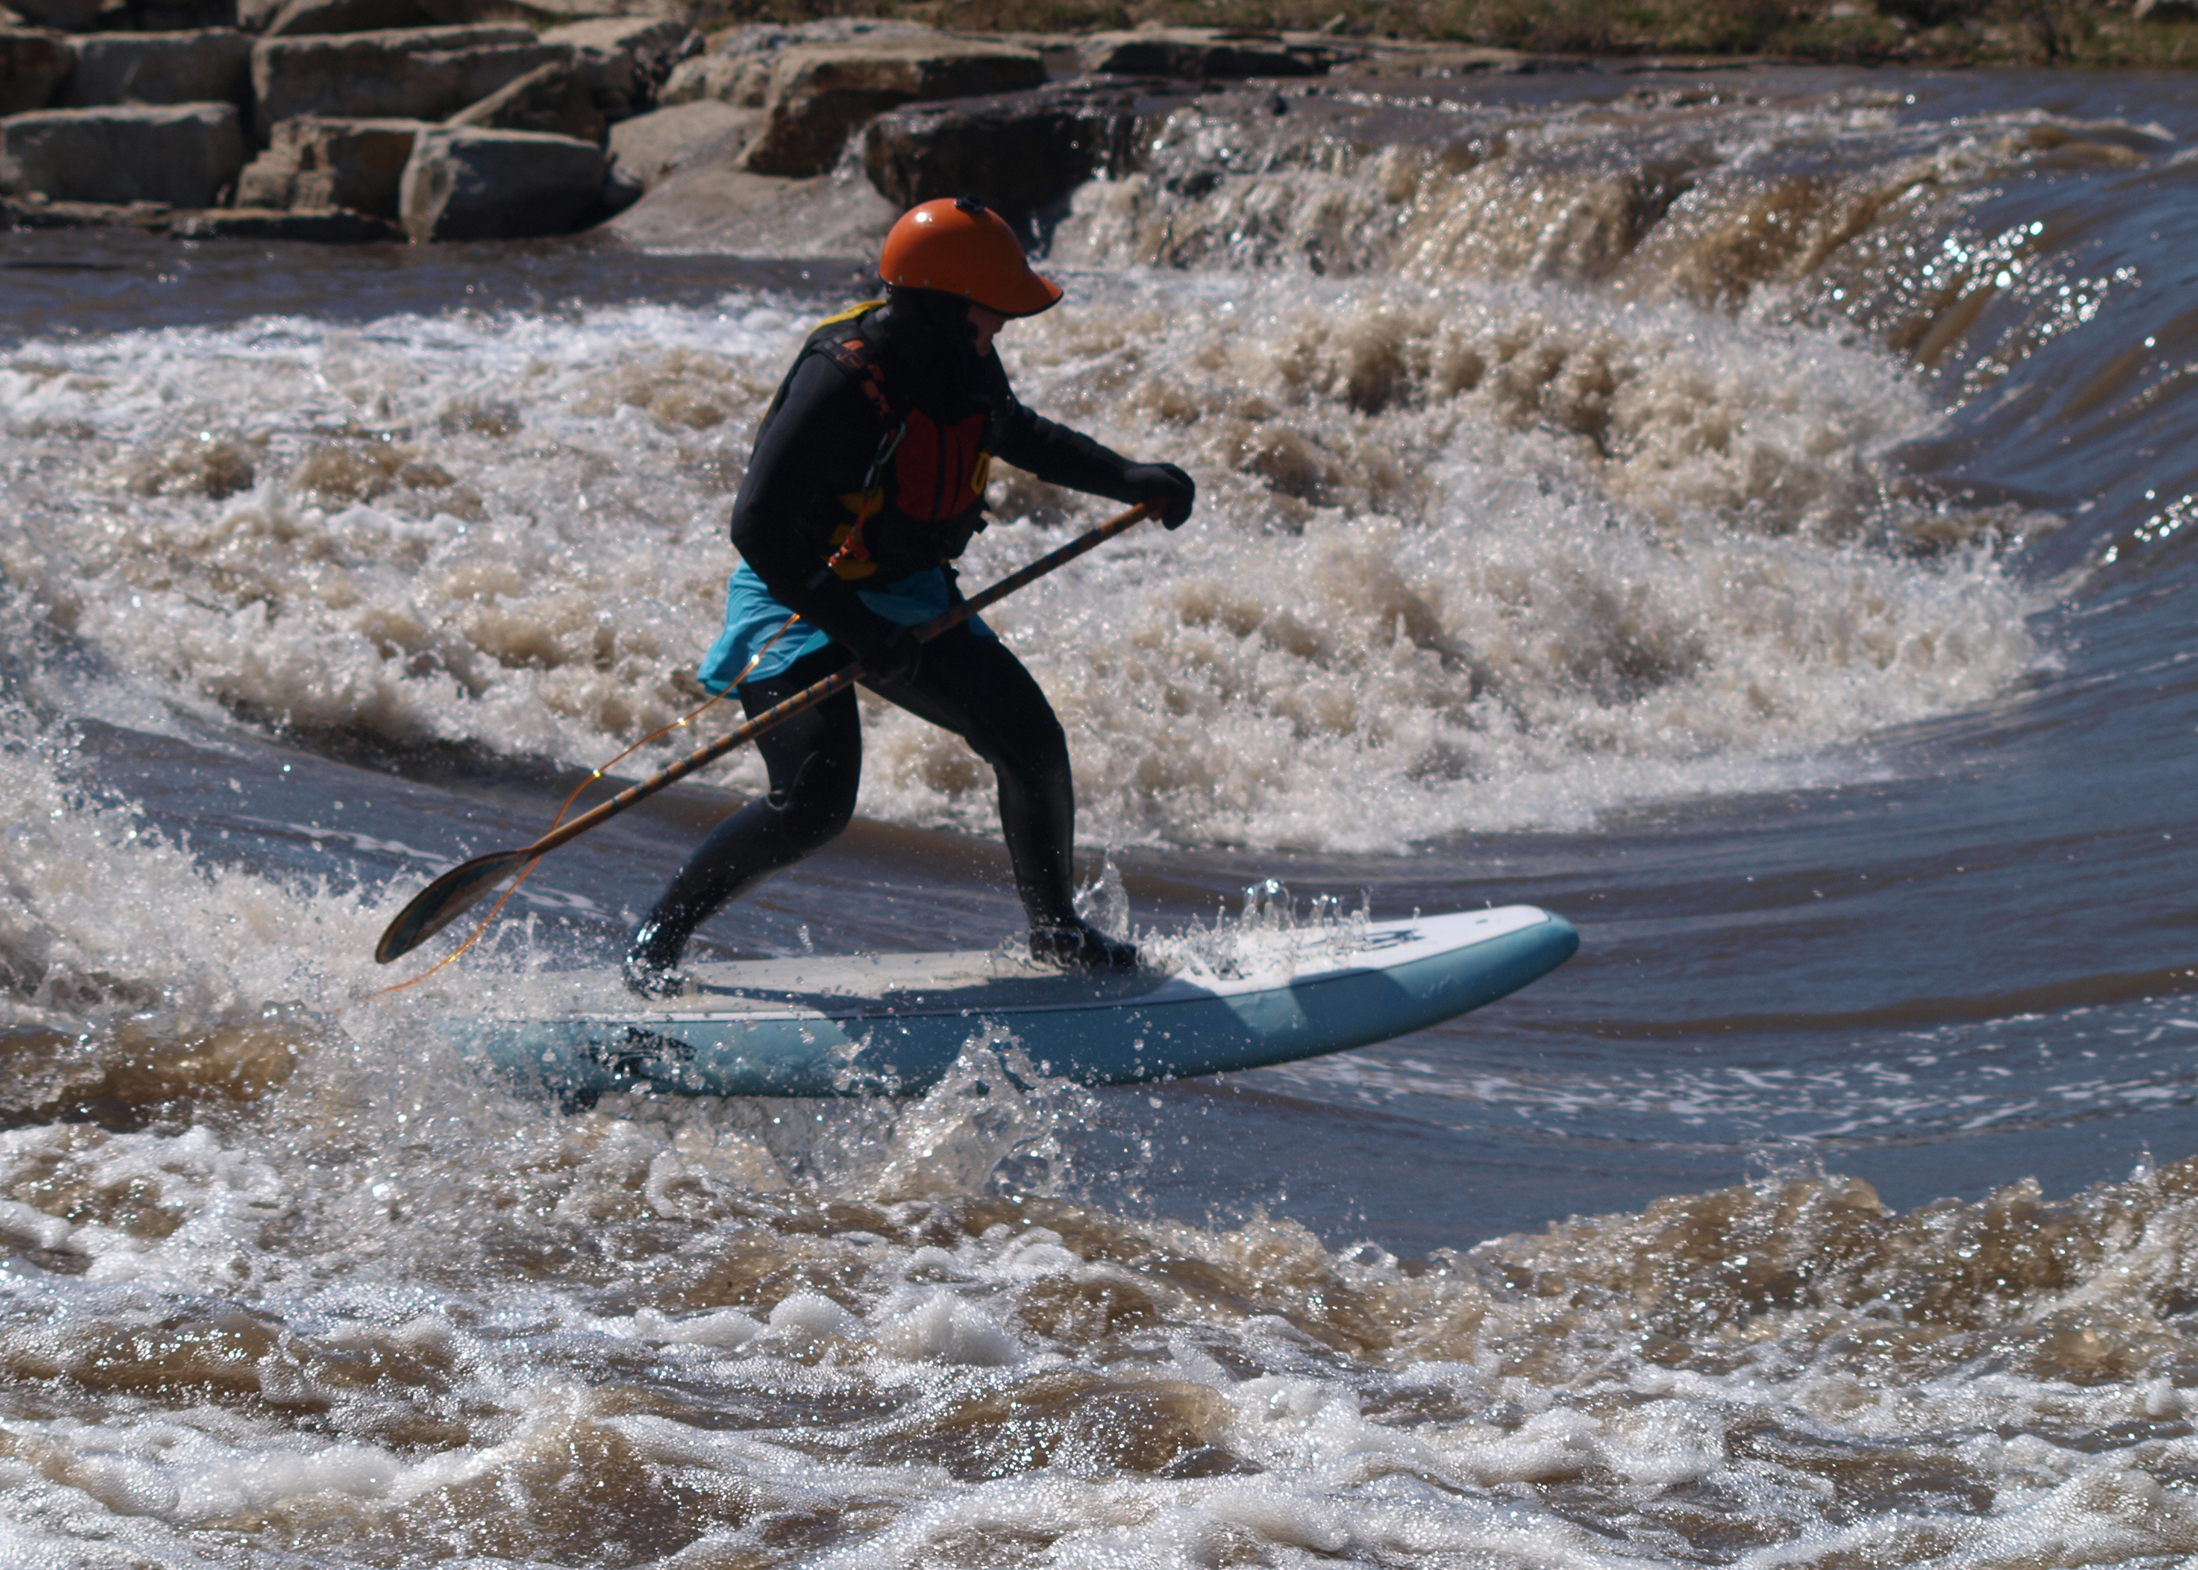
x=1182, y=1033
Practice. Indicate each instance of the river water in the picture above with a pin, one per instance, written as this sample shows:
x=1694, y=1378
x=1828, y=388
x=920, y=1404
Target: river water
x=1747, y=514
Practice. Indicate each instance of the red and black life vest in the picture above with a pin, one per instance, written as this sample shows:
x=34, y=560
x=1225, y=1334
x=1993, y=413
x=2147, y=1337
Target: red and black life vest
x=924, y=493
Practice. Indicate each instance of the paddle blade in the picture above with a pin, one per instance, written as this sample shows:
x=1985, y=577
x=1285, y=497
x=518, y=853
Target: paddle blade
x=446, y=899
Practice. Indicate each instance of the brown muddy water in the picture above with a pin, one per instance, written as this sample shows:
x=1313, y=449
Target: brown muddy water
x=1746, y=514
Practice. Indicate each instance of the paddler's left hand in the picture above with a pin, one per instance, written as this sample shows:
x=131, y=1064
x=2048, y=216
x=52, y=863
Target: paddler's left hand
x=894, y=658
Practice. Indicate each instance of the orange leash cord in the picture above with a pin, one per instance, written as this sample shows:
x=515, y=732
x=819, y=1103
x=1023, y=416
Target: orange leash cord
x=851, y=546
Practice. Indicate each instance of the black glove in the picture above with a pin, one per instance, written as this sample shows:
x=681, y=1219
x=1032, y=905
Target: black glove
x=1168, y=488
x=896, y=658
x=951, y=536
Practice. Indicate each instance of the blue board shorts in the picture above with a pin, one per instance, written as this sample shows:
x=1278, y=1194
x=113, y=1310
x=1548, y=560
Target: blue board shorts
x=751, y=616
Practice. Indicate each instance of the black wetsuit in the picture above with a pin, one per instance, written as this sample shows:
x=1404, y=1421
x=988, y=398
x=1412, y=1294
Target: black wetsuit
x=904, y=377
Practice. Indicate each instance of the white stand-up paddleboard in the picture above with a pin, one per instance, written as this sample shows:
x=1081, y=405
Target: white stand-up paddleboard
x=853, y=1025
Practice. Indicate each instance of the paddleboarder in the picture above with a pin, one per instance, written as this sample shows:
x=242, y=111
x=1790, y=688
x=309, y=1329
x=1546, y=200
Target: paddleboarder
x=866, y=483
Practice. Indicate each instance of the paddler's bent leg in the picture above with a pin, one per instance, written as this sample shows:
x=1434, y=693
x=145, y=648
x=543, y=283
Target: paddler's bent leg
x=814, y=760
x=975, y=687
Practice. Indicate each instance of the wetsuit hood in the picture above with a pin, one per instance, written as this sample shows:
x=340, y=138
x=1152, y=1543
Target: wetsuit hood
x=931, y=334
x=929, y=322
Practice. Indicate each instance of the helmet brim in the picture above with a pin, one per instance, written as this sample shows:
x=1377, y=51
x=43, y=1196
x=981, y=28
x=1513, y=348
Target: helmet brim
x=1030, y=294
x=1035, y=292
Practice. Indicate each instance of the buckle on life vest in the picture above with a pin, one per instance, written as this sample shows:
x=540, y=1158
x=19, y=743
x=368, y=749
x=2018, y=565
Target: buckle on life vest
x=850, y=557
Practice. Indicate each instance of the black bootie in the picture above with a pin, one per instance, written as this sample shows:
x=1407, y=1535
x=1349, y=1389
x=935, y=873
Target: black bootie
x=1076, y=944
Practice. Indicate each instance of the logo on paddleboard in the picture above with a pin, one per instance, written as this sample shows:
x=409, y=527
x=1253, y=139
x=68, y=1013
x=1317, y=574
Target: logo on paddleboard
x=636, y=1051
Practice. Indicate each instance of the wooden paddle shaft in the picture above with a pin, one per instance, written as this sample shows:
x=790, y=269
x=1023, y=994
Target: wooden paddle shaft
x=838, y=681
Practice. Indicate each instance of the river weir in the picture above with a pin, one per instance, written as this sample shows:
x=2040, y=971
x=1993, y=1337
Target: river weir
x=1744, y=512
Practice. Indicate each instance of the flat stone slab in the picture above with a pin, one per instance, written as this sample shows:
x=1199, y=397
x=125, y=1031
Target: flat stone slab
x=33, y=65
x=1020, y=151
x=333, y=227
x=655, y=146
x=35, y=212
x=316, y=163
x=820, y=93
x=209, y=65
x=642, y=37
x=737, y=67
x=414, y=74
x=468, y=184
x=741, y=80
x=721, y=211
x=1210, y=53
x=550, y=98
x=307, y=18
x=67, y=16
x=184, y=155
x=624, y=60
x=760, y=41
x=535, y=13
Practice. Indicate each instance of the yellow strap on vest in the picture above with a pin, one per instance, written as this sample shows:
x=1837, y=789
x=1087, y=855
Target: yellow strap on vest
x=864, y=308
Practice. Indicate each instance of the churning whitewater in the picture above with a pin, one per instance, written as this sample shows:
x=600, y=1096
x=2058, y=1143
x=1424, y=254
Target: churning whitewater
x=1471, y=555
x=1743, y=513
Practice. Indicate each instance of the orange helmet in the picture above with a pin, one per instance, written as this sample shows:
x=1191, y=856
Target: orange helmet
x=963, y=247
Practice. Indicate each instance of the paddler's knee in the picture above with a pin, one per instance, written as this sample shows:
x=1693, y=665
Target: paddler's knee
x=813, y=811
x=1034, y=747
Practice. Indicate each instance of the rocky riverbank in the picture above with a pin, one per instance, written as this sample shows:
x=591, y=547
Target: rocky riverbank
x=376, y=119
x=359, y=120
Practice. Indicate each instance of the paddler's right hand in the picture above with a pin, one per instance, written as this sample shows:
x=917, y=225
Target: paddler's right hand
x=1167, y=489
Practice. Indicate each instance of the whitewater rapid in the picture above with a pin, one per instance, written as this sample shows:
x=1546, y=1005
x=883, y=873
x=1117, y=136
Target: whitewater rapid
x=1742, y=512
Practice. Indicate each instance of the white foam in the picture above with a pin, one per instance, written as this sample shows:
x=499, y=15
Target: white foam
x=1466, y=558
x=98, y=912
x=938, y=1325
x=1537, y=1402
